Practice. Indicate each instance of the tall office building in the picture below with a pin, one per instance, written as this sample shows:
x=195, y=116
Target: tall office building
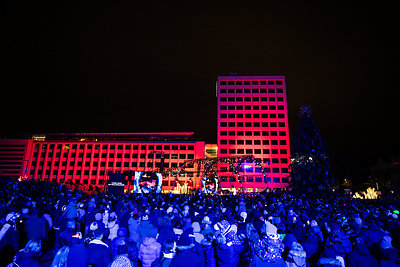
x=253, y=120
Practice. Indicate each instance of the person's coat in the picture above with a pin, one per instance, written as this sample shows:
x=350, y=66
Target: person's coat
x=149, y=251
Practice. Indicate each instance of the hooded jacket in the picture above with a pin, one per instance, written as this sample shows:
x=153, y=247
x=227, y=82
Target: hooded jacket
x=149, y=251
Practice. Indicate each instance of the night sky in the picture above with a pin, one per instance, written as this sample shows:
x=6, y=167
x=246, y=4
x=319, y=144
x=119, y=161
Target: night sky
x=134, y=67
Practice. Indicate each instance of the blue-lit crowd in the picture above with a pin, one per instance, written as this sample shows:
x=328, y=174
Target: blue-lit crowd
x=44, y=224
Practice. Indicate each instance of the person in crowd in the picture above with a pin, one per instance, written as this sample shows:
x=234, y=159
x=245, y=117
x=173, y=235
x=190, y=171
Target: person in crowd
x=186, y=253
x=149, y=251
x=268, y=252
x=99, y=253
x=168, y=253
x=29, y=256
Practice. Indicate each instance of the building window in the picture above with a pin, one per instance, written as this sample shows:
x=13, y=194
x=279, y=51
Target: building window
x=223, y=108
x=265, y=151
x=223, y=124
x=224, y=151
x=257, y=151
x=249, y=151
x=240, y=151
x=223, y=116
x=223, y=91
x=222, y=82
x=223, y=142
x=283, y=151
x=249, y=142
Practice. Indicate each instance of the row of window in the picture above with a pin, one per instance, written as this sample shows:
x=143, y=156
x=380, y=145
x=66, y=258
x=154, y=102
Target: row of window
x=127, y=147
x=249, y=116
x=249, y=124
x=249, y=99
x=274, y=160
x=251, y=91
x=250, y=151
x=112, y=155
x=256, y=170
x=253, y=82
x=251, y=142
x=259, y=179
x=252, y=133
x=252, y=107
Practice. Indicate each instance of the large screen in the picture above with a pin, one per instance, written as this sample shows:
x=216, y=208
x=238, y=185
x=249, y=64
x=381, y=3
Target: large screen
x=147, y=182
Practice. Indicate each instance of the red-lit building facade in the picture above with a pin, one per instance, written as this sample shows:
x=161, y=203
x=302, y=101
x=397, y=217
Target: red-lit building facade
x=87, y=158
x=253, y=120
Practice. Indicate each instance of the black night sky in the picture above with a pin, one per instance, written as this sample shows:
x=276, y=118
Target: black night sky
x=131, y=67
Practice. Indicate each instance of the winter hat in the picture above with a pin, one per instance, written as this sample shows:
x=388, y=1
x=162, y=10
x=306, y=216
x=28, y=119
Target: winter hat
x=169, y=210
x=196, y=227
x=223, y=226
x=185, y=239
x=206, y=220
x=113, y=215
x=269, y=248
x=313, y=223
x=97, y=217
x=93, y=226
x=122, y=232
x=145, y=218
x=9, y=216
x=243, y=215
x=121, y=261
x=358, y=220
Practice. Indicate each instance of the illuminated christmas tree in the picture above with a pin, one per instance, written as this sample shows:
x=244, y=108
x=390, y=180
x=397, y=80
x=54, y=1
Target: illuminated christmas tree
x=309, y=168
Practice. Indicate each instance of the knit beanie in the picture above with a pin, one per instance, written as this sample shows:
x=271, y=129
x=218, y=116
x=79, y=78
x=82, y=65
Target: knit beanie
x=93, y=226
x=269, y=248
x=121, y=261
x=185, y=239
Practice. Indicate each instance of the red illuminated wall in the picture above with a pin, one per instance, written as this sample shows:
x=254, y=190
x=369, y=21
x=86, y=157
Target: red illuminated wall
x=82, y=159
x=253, y=120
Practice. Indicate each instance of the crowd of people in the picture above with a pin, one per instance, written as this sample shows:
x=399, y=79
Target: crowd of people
x=44, y=224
